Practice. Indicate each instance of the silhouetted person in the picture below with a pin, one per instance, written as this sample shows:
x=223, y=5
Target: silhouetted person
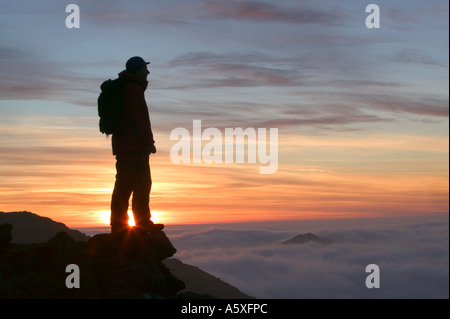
x=132, y=146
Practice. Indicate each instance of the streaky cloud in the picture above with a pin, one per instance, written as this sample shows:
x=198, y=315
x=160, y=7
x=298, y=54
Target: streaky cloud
x=264, y=12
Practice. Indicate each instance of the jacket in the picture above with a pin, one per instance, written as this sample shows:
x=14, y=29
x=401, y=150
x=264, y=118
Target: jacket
x=136, y=137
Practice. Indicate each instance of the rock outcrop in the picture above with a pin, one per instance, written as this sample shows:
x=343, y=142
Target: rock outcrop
x=31, y=228
x=202, y=283
x=128, y=265
x=5, y=234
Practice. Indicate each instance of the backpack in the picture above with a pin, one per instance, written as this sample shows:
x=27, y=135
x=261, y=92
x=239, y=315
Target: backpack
x=110, y=106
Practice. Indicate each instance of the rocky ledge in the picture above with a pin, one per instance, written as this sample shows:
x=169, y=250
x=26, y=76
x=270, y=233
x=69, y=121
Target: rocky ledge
x=128, y=265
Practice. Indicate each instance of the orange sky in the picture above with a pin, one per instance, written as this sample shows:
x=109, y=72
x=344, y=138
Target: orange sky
x=321, y=177
x=362, y=113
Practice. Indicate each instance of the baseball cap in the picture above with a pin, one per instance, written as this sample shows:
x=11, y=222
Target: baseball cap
x=135, y=62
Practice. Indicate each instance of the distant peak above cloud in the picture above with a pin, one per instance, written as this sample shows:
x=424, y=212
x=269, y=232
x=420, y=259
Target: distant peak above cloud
x=305, y=238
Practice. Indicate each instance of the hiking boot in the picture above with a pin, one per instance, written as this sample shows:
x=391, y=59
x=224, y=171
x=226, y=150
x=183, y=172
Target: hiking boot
x=150, y=227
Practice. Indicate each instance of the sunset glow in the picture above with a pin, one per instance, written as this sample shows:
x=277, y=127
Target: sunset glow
x=104, y=218
x=361, y=114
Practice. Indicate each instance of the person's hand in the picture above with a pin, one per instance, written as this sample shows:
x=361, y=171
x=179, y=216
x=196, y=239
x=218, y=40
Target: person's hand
x=152, y=149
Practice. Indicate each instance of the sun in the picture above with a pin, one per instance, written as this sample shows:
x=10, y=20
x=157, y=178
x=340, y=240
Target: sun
x=156, y=217
x=131, y=222
x=106, y=215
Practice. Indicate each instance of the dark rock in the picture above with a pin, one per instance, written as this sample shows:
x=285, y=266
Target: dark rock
x=30, y=228
x=132, y=244
x=127, y=266
x=201, y=283
x=5, y=234
x=135, y=278
x=131, y=265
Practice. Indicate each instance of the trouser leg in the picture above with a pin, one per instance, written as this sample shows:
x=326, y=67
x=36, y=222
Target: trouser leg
x=123, y=188
x=141, y=194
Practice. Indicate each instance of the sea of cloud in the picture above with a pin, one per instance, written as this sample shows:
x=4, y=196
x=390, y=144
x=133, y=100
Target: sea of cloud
x=412, y=255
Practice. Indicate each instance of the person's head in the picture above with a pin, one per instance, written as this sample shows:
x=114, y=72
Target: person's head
x=138, y=66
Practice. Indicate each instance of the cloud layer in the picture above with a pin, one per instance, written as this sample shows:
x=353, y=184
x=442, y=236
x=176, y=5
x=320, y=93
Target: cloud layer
x=412, y=254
